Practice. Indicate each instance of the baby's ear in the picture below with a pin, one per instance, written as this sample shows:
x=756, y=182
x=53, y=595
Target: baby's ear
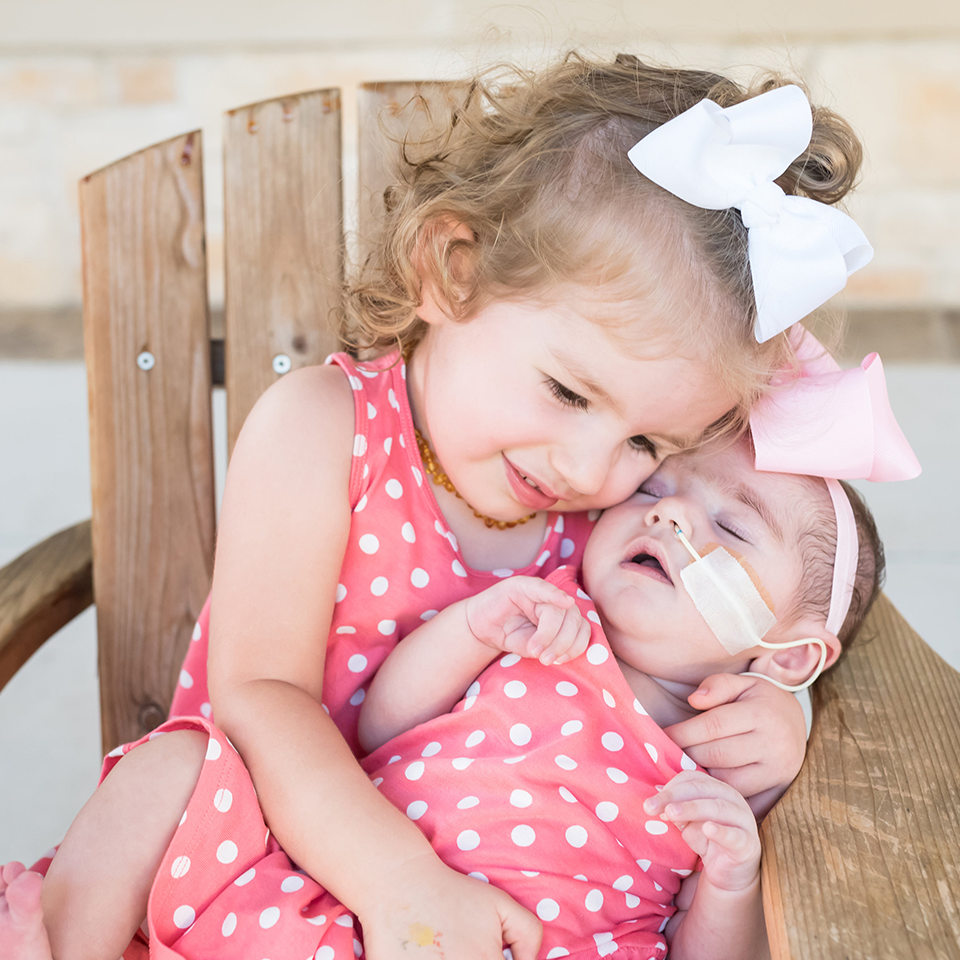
x=793, y=665
x=441, y=260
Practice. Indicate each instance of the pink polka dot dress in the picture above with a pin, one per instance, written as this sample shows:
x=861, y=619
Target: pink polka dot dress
x=534, y=782
x=402, y=562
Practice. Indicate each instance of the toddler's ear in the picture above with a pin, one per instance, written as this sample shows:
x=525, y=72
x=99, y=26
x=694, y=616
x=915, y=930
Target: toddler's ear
x=441, y=249
x=793, y=665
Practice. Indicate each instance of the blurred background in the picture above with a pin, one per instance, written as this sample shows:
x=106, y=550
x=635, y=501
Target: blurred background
x=83, y=84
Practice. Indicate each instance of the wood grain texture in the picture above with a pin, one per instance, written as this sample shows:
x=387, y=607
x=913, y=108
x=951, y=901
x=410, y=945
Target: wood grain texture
x=392, y=114
x=862, y=855
x=41, y=591
x=283, y=240
x=144, y=275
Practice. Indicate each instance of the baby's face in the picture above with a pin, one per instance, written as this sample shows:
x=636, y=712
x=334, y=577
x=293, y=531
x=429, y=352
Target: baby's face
x=632, y=563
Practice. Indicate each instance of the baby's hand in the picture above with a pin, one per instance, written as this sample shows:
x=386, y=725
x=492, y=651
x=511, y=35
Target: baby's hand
x=716, y=823
x=751, y=735
x=529, y=617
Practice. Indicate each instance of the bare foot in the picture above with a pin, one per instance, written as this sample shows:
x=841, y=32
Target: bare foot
x=22, y=934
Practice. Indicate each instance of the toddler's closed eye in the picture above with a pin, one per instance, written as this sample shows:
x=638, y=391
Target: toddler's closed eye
x=645, y=445
x=567, y=396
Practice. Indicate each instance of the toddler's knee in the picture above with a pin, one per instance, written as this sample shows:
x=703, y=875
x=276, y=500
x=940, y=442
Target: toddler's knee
x=174, y=758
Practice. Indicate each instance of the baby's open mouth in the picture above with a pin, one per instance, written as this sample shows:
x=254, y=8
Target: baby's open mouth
x=651, y=563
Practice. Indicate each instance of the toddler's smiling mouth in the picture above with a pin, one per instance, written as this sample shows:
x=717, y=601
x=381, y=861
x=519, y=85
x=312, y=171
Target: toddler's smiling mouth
x=527, y=490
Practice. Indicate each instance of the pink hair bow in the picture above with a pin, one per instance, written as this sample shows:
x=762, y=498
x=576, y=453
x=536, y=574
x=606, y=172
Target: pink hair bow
x=830, y=422
x=835, y=424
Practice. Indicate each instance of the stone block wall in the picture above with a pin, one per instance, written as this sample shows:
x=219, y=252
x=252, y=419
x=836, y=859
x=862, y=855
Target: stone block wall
x=84, y=84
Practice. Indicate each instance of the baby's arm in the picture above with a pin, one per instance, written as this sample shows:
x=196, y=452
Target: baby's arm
x=751, y=735
x=429, y=670
x=725, y=917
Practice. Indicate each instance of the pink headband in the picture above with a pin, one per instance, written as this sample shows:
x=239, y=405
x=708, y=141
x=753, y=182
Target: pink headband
x=846, y=557
x=826, y=422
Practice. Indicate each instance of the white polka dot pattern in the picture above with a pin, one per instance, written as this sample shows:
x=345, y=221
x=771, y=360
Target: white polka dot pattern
x=477, y=821
x=557, y=824
x=571, y=806
x=396, y=570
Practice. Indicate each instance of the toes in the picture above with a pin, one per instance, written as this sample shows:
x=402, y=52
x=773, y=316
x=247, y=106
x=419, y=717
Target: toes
x=23, y=896
x=9, y=871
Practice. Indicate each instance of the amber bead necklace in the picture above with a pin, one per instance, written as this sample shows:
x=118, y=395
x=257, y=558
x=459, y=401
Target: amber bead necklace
x=440, y=478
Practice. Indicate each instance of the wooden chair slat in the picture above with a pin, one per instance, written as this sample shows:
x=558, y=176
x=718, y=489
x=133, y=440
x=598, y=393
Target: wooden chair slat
x=862, y=855
x=283, y=238
x=145, y=293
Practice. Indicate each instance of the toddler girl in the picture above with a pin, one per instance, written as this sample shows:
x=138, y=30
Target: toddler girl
x=543, y=324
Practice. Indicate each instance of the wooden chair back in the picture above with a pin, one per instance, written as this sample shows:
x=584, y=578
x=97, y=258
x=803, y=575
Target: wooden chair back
x=149, y=351
x=862, y=857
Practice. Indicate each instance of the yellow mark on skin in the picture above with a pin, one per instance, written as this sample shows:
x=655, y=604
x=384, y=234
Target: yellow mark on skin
x=422, y=935
x=751, y=573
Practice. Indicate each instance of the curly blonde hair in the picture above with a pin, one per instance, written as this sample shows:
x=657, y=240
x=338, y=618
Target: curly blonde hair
x=534, y=164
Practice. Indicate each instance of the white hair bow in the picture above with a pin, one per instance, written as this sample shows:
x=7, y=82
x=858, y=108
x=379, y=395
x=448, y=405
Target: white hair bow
x=801, y=251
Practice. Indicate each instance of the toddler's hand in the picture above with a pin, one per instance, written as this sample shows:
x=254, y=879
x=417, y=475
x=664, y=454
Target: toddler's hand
x=716, y=823
x=443, y=913
x=529, y=617
x=752, y=735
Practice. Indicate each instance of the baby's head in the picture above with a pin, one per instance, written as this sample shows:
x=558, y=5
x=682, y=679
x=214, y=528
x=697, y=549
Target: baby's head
x=782, y=529
x=529, y=191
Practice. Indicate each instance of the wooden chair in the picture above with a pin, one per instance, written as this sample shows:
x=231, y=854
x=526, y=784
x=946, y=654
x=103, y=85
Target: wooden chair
x=862, y=856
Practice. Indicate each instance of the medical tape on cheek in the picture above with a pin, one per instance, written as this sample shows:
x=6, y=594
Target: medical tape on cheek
x=732, y=607
x=728, y=601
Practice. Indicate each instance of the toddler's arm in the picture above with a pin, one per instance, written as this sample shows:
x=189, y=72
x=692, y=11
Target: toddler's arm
x=725, y=917
x=751, y=735
x=281, y=541
x=429, y=670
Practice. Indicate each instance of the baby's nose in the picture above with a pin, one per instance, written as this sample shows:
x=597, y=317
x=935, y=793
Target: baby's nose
x=670, y=510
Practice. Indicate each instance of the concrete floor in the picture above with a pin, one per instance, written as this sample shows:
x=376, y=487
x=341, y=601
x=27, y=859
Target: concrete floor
x=49, y=718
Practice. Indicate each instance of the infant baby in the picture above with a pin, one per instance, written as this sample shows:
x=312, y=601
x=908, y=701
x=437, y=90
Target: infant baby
x=552, y=778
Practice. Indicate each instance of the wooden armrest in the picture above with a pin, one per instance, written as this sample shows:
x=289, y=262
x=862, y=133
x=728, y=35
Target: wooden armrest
x=40, y=591
x=862, y=855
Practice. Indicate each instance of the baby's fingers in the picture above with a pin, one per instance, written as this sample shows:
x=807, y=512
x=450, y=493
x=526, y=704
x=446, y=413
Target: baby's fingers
x=549, y=620
x=570, y=640
x=731, y=855
x=527, y=592
x=691, y=785
x=710, y=809
x=739, y=843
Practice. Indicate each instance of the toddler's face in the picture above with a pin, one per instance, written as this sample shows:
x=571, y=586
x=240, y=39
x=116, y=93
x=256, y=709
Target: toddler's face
x=633, y=559
x=534, y=406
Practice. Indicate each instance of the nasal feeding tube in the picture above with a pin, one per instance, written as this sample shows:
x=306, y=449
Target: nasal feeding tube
x=732, y=607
